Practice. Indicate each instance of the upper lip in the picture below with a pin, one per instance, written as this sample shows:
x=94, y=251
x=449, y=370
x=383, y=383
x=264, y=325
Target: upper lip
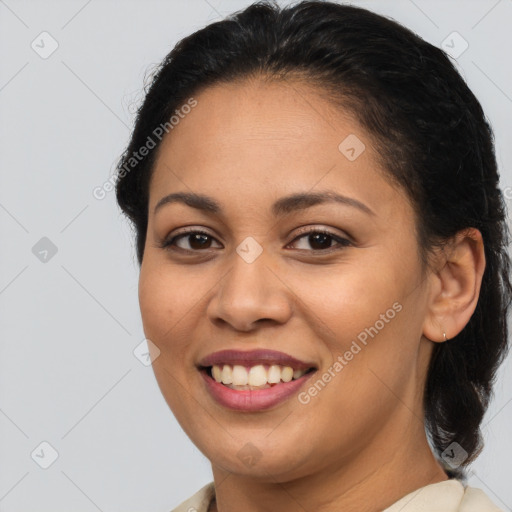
x=254, y=357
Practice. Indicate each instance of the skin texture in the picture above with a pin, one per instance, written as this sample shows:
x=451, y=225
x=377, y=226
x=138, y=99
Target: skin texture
x=359, y=444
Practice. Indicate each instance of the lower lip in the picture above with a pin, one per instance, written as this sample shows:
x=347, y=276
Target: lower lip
x=249, y=400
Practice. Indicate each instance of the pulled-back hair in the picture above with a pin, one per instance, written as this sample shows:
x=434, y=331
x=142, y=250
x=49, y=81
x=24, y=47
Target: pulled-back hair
x=431, y=136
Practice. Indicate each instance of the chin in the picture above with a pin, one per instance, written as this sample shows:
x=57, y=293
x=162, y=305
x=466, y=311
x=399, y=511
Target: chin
x=257, y=460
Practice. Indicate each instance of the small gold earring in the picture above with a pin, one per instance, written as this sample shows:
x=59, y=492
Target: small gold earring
x=444, y=334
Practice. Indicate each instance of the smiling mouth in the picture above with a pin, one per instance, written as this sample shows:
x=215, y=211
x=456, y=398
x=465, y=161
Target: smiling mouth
x=253, y=378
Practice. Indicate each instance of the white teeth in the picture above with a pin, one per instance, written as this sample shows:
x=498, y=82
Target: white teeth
x=240, y=375
x=274, y=374
x=226, y=376
x=257, y=376
x=298, y=373
x=217, y=373
x=287, y=374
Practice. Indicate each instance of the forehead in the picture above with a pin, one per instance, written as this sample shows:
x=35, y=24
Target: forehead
x=245, y=114
x=256, y=137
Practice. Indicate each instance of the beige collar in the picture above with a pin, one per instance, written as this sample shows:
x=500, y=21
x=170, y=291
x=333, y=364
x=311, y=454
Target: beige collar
x=445, y=496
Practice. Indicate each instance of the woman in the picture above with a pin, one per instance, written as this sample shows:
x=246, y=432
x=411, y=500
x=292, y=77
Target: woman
x=323, y=268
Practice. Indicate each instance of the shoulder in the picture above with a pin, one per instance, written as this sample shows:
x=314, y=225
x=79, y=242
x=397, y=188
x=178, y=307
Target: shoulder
x=475, y=500
x=199, y=502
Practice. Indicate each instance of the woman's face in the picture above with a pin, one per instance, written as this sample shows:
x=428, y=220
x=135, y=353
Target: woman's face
x=350, y=304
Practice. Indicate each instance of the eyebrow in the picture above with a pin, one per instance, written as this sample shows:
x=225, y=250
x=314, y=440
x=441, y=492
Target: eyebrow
x=283, y=206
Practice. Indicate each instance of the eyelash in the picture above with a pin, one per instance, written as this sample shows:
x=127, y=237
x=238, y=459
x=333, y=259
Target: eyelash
x=342, y=242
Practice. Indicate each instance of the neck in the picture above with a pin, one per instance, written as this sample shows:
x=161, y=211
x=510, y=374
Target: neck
x=393, y=465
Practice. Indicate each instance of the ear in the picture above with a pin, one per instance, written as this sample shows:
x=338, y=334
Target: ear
x=455, y=286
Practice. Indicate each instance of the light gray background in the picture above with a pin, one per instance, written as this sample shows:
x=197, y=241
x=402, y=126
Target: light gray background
x=69, y=325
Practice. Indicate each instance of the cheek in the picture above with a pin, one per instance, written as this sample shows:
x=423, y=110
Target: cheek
x=163, y=307
x=364, y=313
x=154, y=301
x=166, y=298
x=166, y=315
x=349, y=298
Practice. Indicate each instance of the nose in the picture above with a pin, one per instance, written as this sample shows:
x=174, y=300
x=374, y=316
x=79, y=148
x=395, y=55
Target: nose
x=250, y=293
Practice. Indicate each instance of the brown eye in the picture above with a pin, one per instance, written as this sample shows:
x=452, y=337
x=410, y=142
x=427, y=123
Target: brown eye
x=197, y=240
x=320, y=240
